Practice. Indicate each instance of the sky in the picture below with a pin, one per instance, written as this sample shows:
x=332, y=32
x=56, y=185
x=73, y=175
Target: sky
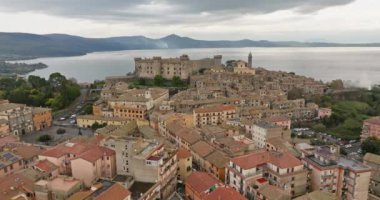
x=344, y=21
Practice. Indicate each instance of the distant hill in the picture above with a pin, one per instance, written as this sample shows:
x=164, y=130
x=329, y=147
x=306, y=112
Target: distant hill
x=25, y=45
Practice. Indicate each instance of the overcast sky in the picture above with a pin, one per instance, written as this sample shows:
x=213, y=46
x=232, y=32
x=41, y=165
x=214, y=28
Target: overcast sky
x=302, y=20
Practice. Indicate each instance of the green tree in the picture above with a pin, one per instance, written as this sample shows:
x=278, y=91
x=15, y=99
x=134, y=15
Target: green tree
x=371, y=145
x=176, y=81
x=158, y=80
x=44, y=138
x=319, y=127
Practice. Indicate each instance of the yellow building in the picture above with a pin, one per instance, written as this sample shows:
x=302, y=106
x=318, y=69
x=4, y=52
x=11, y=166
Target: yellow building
x=184, y=163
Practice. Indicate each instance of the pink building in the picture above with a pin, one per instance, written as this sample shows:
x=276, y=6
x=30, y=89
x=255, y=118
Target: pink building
x=97, y=163
x=281, y=121
x=371, y=128
x=324, y=112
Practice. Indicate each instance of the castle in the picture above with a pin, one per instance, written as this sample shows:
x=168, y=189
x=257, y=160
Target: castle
x=168, y=68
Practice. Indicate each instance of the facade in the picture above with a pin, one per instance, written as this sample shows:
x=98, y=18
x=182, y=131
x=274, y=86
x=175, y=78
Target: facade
x=373, y=161
x=346, y=178
x=58, y=188
x=4, y=127
x=242, y=68
x=281, y=121
x=263, y=131
x=42, y=118
x=214, y=115
x=181, y=67
x=280, y=169
x=96, y=163
x=371, y=128
x=185, y=161
x=86, y=121
x=19, y=118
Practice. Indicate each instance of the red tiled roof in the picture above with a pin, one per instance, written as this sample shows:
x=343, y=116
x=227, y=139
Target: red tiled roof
x=115, y=192
x=183, y=153
x=261, y=157
x=251, y=160
x=218, y=108
x=373, y=120
x=200, y=181
x=96, y=154
x=202, y=148
x=224, y=193
x=46, y=166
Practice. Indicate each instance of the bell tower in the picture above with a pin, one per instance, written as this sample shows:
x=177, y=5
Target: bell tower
x=250, y=60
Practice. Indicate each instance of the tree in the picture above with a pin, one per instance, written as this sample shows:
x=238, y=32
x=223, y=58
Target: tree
x=87, y=109
x=158, y=80
x=141, y=81
x=176, y=81
x=44, y=138
x=37, y=82
x=319, y=127
x=61, y=131
x=371, y=145
x=337, y=84
x=57, y=80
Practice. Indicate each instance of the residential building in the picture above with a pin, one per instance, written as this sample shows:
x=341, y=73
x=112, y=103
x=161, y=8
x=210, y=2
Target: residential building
x=373, y=161
x=18, y=116
x=10, y=163
x=4, y=127
x=346, y=178
x=280, y=169
x=42, y=118
x=216, y=163
x=203, y=186
x=99, y=162
x=200, y=151
x=371, y=128
x=185, y=161
x=115, y=192
x=242, y=68
x=86, y=121
x=168, y=68
x=263, y=131
x=317, y=195
x=58, y=188
x=324, y=112
x=281, y=121
x=47, y=167
x=214, y=115
x=16, y=186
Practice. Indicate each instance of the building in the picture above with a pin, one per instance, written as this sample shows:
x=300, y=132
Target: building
x=10, y=163
x=115, y=192
x=58, y=188
x=346, y=178
x=371, y=128
x=86, y=121
x=263, y=131
x=17, y=186
x=280, y=169
x=18, y=116
x=242, y=68
x=42, y=118
x=324, y=112
x=99, y=162
x=214, y=115
x=203, y=186
x=281, y=121
x=317, y=195
x=185, y=161
x=4, y=127
x=373, y=161
x=168, y=68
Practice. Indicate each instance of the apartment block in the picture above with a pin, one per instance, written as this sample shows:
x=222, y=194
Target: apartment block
x=18, y=116
x=371, y=128
x=280, y=169
x=214, y=115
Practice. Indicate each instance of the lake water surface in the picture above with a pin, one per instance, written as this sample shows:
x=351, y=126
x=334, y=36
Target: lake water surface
x=358, y=65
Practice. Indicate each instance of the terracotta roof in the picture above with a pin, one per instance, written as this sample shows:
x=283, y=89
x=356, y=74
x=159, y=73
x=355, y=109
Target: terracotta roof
x=224, y=193
x=8, y=139
x=274, y=193
x=183, y=153
x=261, y=157
x=200, y=181
x=373, y=120
x=96, y=154
x=115, y=192
x=19, y=184
x=68, y=148
x=46, y=166
x=28, y=152
x=218, y=108
x=218, y=159
x=202, y=148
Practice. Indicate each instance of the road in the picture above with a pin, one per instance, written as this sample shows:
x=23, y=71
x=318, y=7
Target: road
x=74, y=108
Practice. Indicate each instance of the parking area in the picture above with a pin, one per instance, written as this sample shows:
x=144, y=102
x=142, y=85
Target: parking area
x=70, y=132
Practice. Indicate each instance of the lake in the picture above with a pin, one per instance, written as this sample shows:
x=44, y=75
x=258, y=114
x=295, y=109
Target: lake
x=358, y=65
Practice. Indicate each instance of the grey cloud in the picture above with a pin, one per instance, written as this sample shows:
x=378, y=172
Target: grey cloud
x=180, y=11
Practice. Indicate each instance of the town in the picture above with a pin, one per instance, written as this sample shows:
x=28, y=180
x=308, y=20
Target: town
x=183, y=129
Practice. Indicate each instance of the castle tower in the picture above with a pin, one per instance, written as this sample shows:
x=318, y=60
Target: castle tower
x=250, y=60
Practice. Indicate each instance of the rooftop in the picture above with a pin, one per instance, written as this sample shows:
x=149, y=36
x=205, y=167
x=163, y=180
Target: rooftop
x=202, y=148
x=217, y=108
x=7, y=158
x=353, y=165
x=224, y=193
x=63, y=183
x=183, y=153
x=373, y=120
x=218, y=159
x=116, y=191
x=201, y=181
